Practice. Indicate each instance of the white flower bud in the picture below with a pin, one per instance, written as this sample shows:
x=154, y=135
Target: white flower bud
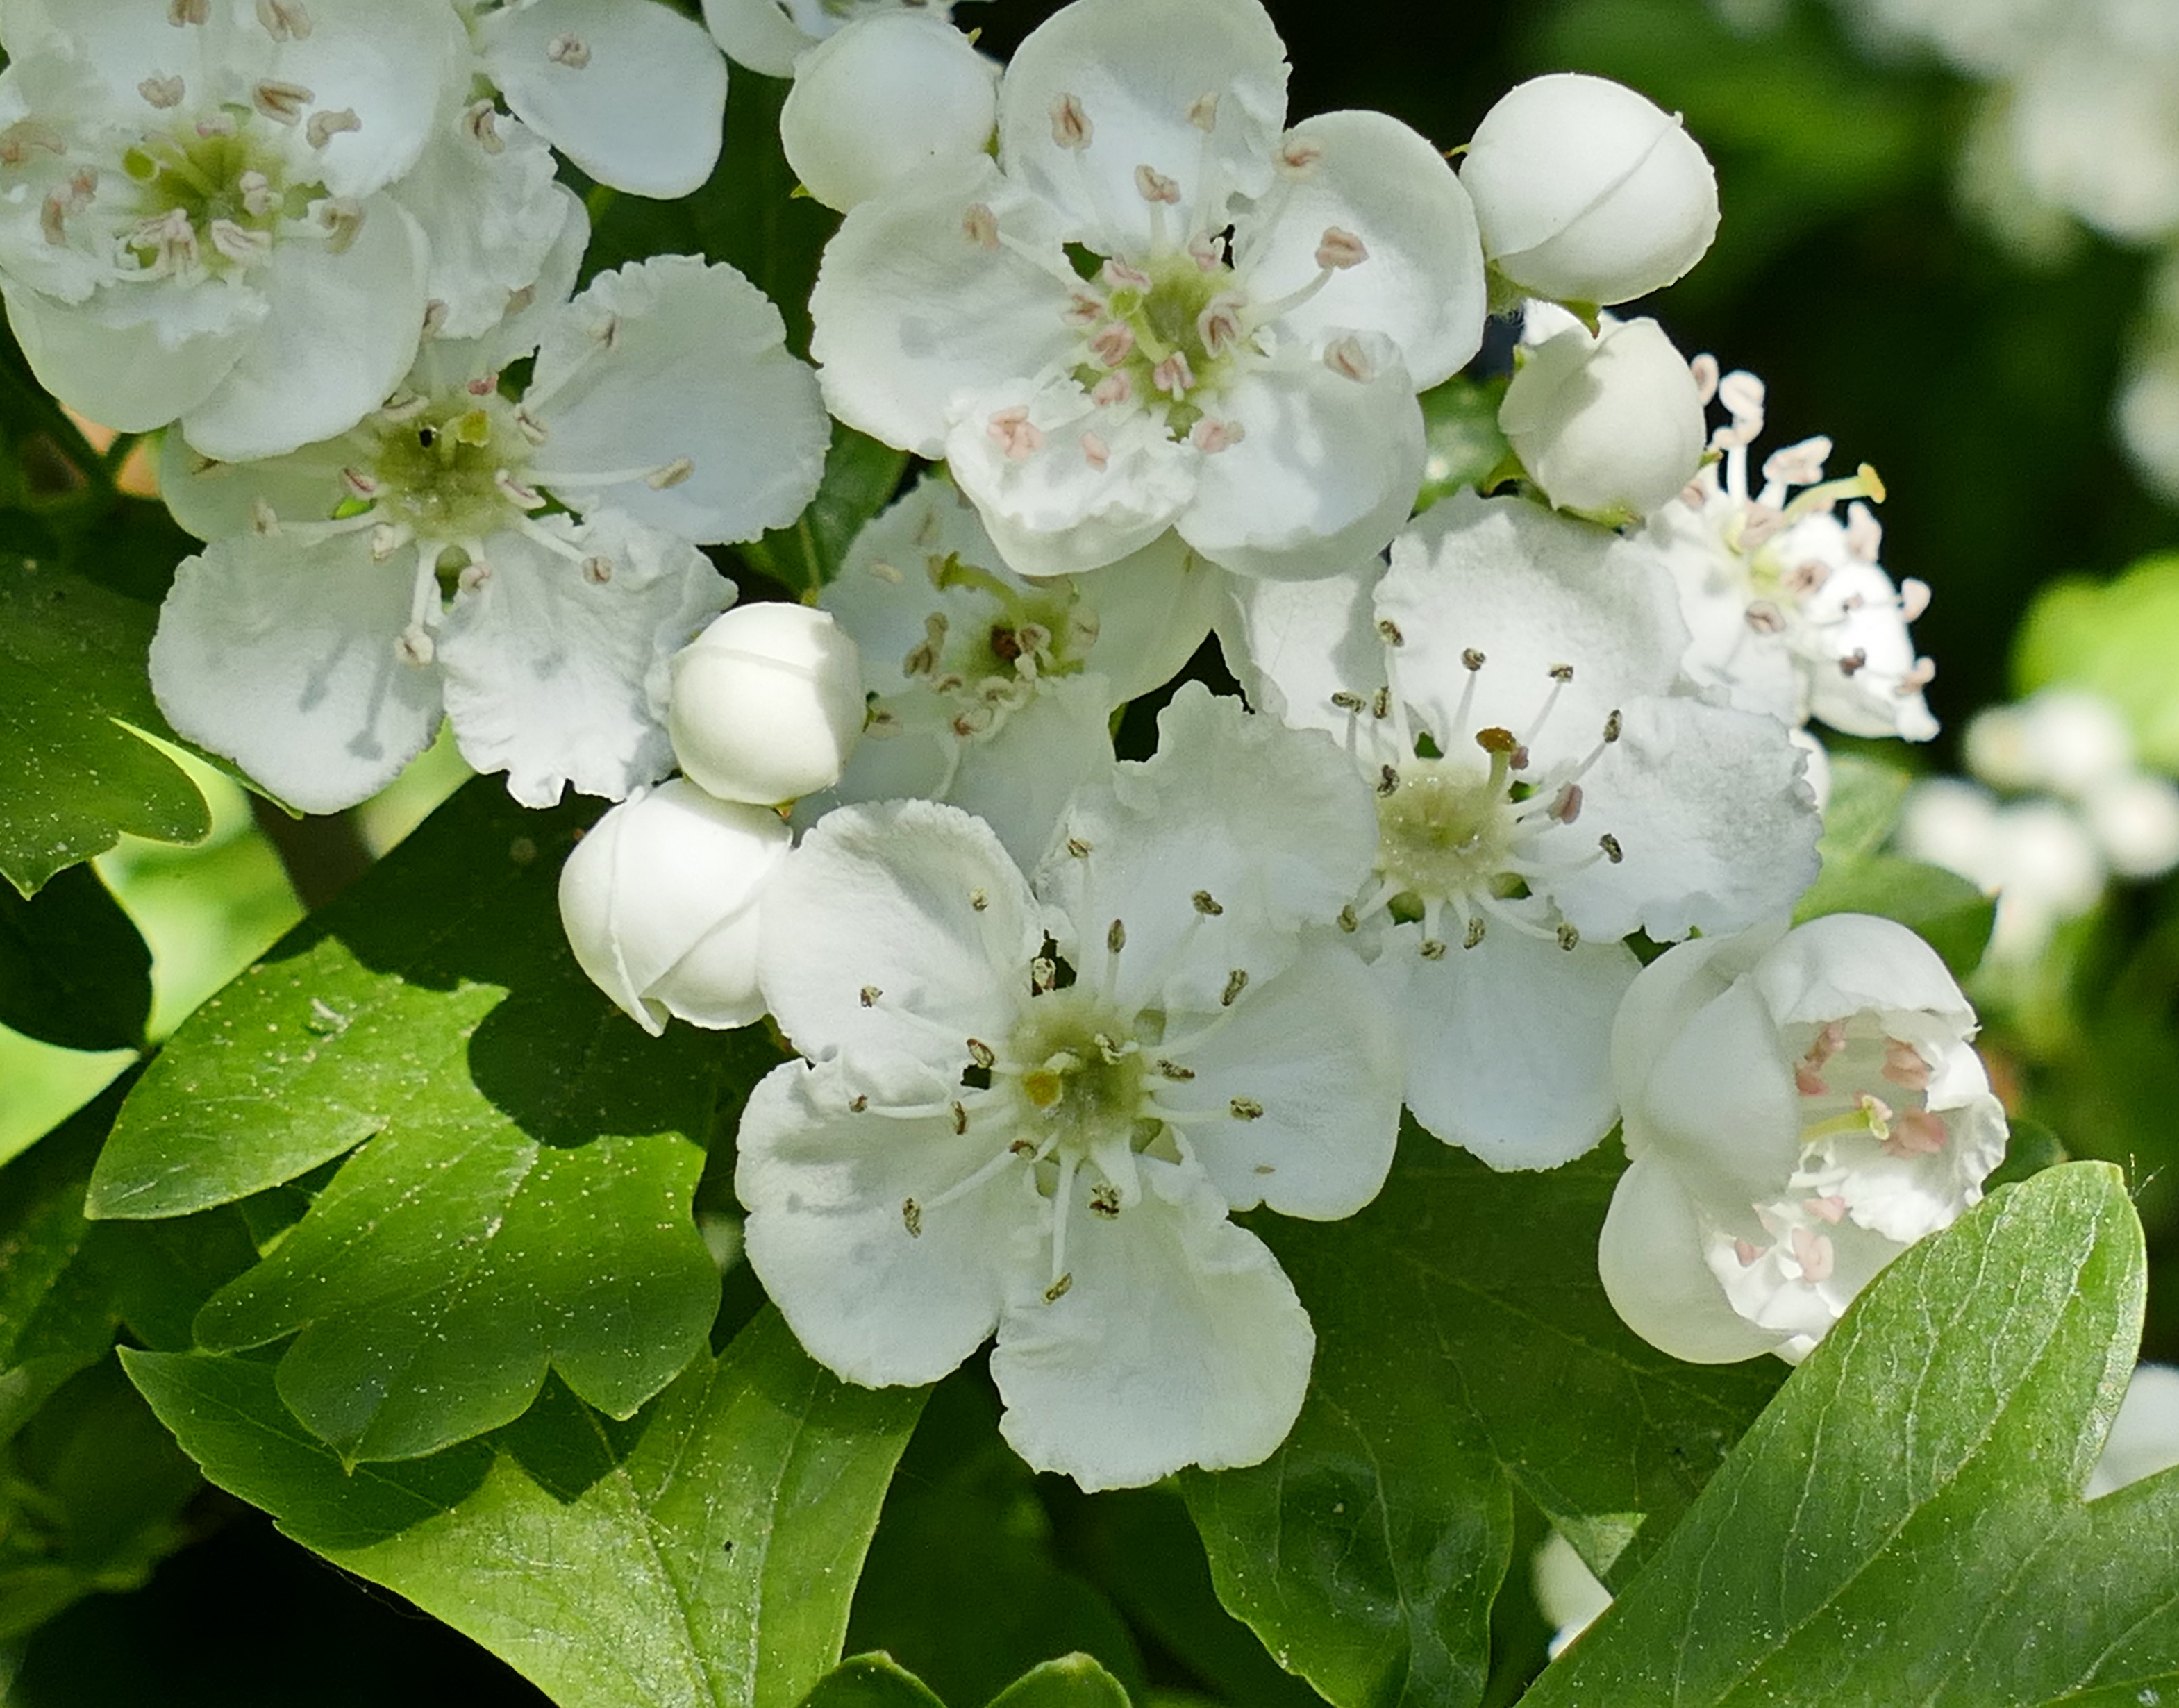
x=767, y=704
x=1610, y=426
x=1587, y=193
x=660, y=904
x=1799, y=1107
x=888, y=94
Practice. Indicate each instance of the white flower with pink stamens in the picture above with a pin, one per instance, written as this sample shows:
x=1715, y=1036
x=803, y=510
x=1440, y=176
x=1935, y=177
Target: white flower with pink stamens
x=1790, y=612
x=1799, y=1107
x=525, y=562
x=1511, y=688
x=1159, y=308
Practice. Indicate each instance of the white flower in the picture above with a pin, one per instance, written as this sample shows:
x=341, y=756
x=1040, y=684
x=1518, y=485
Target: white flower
x=2144, y=1436
x=884, y=97
x=1508, y=687
x=2063, y=740
x=1790, y=612
x=1610, y=426
x=1240, y=361
x=660, y=904
x=2035, y=856
x=314, y=642
x=992, y=691
x=1032, y=1108
x=771, y=36
x=767, y=704
x=1586, y=192
x=1800, y=1106
x=194, y=221
x=628, y=89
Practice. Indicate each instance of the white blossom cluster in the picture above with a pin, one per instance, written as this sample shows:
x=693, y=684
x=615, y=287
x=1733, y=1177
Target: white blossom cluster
x=1059, y=1018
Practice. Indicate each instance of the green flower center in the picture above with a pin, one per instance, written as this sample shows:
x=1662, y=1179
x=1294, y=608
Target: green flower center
x=1082, y=1078
x=230, y=188
x=1169, y=354
x=1447, y=828
x=439, y=471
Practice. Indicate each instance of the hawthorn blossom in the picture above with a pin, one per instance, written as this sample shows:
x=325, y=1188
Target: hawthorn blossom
x=1509, y=687
x=1790, y=612
x=522, y=561
x=767, y=704
x=195, y=220
x=1800, y=1106
x=631, y=91
x=990, y=690
x=1235, y=357
x=1031, y=1104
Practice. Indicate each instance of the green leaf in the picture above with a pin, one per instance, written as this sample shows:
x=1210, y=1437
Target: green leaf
x=2118, y=638
x=1863, y=809
x=523, y=1201
x=1003, y=1602
x=1464, y=447
x=871, y=1681
x=699, y=1556
x=74, y=692
x=1905, y=1524
x=73, y=969
x=861, y=476
x=1943, y=908
x=1074, y=1681
x=1464, y=1347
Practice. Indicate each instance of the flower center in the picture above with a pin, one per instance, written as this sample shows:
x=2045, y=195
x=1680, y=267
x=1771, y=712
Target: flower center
x=1447, y=826
x=985, y=662
x=1081, y=1078
x=211, y=194
x=443, y=471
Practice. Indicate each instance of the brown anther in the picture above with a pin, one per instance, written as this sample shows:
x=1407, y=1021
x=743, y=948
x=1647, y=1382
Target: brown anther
x=1474, y=935
x=673, y=475
x=979, y=900
x=1388, y=779
x=960, y=1117
x=1105, y=1201
x=1348, y=702
x=1202, y=111
x=1765, y=617
x=1116, y=938
x=1347, y=922
x=1433, y=949
x=981, y=1053
x=1566, y=807
x=1058, y=1290
x=597, y=570
x=1246, y=1109
x=1173, y=1070
x=1236, y=982
x=1611, y=727
x=870, y=993
x=1207, y=905
x=1389, y=632
x=481, y=121
x=1078, y=848
x=164, y=93
x=911, y=1216
x=1043, y=972
x=1471, y=659
x=1613, y=851
x=1569, y=938
x=1853, y=663
x=1380, y=703
x=858, y=1103
x=281, y=102
x=1496, y=740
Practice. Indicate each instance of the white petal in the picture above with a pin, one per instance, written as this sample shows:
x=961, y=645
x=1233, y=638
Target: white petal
x=1018, y=780
x=1180, y=1343
x=758, y=34
x=1319, y=1051
x=1272, y=824
x=884, y=97
x=1664, y=997
x=1839, y=964
x=1153, y=609
x=1530, y=591
x=883, y=898
x=1137, y=68
x=1717, y=1101
x=490, y=217
x=2144, y=1436
x=1098, y=486
x=911, y=310
x=1651, y=1260
x=395, y=64
x=1422, y=283
x=557, y=678
x=281, y=657
x=824, y=1188
x=1509, y=1043
x=642, y=110
x=696, y=369
x=1717, y=826
x=132, y=373
x=1325, y=475
x=342, y=331
x=1300, y=642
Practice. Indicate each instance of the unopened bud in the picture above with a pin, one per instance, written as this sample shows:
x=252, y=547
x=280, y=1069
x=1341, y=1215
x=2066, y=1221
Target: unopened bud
x=767, y=704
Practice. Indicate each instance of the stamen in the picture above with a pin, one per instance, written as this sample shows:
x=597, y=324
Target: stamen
x=164, y=93
x=1202, y=111
x=324, y=127
x=1346, y=356
x=1246, y=1109
x=569, y=49
x=284, y=20
x=1095, y=452
x=1337, y=250
x=1070, y=126
x=1155, y=187
x=281, y=102
x=1015, y=434
x=481, y=122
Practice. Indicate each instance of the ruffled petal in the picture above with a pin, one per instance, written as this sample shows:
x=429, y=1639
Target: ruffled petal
x=1272, y=827
x=490, y=217
x=1509, y=1043
x=1422, y=283
x=1324, y=474
x=694, y=371
x=1651, y=1260
x=914, y=309
x=883, y=899
x=824, y=1187
x=1318, y=1053
x=1067, y=488
x=342, y=332
x=1530, y=591
x=638, y=101
x=1717, y=826
x=1137, y=70
x=281, y=657
x=557, y=678
x=134, y=361
x=1180, y=1343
